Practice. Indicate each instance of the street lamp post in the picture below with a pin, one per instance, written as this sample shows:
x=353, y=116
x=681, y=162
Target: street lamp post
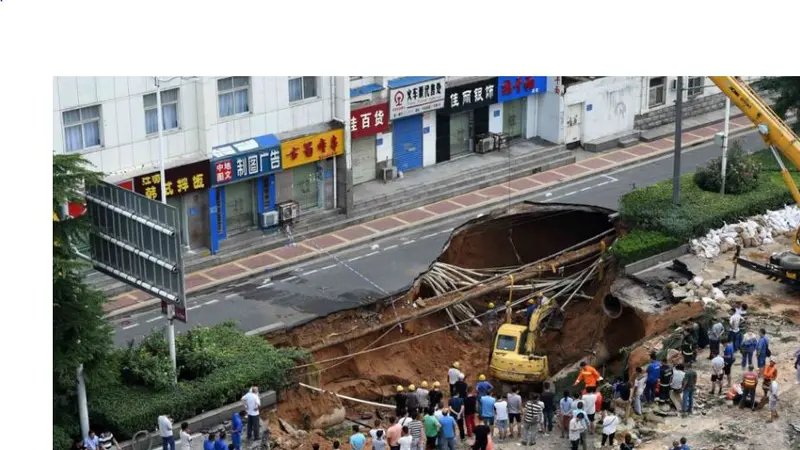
x=725, y=143
x=676, y=167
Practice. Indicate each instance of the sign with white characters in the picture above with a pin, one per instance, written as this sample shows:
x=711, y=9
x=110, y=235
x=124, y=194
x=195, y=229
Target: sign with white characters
x=369, y=120
x=247, y=159
x=416, y=98
x=470, y=96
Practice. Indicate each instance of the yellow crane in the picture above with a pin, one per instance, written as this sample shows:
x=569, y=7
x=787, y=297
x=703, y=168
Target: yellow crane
x=779, y=137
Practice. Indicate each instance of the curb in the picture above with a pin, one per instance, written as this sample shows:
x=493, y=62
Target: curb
x=285, y=266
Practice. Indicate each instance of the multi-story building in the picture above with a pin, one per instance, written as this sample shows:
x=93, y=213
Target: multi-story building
x=233, y=146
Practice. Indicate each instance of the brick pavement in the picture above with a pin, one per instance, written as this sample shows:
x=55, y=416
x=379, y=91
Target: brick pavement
x=357, y=234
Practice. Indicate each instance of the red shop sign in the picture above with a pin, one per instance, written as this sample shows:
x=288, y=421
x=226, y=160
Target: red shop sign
x=369, y=121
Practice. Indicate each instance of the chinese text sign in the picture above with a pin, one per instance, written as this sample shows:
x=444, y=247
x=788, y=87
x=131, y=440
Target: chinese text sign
x=297, y=152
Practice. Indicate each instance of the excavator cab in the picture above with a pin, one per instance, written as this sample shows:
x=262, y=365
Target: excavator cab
x=513, y=356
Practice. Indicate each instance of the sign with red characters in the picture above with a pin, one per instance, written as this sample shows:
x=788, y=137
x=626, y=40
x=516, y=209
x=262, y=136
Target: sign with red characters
x=369, y=121
x=308, y=149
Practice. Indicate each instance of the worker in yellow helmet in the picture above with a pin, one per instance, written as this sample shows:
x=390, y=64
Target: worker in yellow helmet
x=452, y=377
x=435, y=395
x=483, y=387
x=491, y=322
x=422, y=396
x=400, y=401
x=532, y=305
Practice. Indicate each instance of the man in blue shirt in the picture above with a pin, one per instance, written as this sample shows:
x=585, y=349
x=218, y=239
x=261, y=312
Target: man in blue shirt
x=357, y=440
x=487, y=410
x=208, y=444
x=532, y=304
x=483, y=386
x=762, y=348
x=729, y=355
x=653, y=373
x=236, y=429
x=220, y=443
x=448, y=431
x=748, y=348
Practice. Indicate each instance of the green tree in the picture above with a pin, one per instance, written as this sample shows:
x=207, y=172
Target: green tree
x=80, y=334
x=788, y=93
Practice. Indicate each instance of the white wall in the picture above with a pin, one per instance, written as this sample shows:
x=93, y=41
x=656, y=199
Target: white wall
x=531, y=126
x=614, y=103
x=550, y=117
x=709, y=88
x=429, y=140
x=383, y=152
x=496, y=123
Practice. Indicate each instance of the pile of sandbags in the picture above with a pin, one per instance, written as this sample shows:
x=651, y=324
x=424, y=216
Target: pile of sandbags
x=753, y=232
x=696, y=290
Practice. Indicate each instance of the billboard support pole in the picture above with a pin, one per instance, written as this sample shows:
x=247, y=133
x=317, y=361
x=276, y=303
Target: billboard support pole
x=170, y=308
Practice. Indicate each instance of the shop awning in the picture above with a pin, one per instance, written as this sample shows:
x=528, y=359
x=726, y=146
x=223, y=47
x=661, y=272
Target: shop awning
x=246, y=146
x=408, y=81
x=363, y=90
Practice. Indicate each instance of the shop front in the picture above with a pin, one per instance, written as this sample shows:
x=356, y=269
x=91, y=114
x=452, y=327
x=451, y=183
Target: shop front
x=243, y=185
x=513, y=93
x=185, y=187
x=465, y=116
x=366, y=124
x=409, y=99
x=306, y=160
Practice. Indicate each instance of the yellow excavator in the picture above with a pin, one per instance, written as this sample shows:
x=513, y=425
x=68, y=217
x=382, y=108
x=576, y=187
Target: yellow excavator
x=779, y=137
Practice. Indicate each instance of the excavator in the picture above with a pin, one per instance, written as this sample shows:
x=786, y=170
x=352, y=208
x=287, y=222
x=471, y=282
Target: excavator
x=514, y=357
x=779, y=137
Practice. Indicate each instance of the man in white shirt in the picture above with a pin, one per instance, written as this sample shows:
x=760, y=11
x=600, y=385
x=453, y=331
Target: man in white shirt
x=773, y=400
x=452, y=377
x=735, y=334
x=165, y=431
x=577, y=428
x=501, y=417
x=252, y=403
x=717, y=366
x=676, y=387
x=638, y=390
x=589, y=406
x=186, y=437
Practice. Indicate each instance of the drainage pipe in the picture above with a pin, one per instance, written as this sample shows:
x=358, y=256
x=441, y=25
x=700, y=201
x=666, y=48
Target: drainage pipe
x=612, y=307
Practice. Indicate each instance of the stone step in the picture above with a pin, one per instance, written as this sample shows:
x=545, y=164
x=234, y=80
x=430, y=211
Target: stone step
x=629, y=141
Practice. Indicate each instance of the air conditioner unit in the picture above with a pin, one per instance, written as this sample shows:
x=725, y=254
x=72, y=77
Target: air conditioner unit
x=485, y=145
x=387, y=173
x=269, y=219
x=288, y=211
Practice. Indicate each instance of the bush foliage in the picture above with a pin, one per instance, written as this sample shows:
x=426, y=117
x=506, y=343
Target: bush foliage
x=641, y=244
x=216, y=366
x=742, y=172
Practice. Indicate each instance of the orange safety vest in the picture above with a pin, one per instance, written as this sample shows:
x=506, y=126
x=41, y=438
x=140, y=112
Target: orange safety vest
x=750, y=380
x=732, y=393
x=589, y=376
x=770, y=372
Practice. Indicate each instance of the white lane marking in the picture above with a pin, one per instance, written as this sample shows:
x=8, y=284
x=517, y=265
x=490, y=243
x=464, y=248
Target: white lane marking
x=355, y=258
x=391, y=247
x=331, y=266
x=612, y=179
x=265, y=285
x=585, y=189
x=370, y=254
x=211, y=302
x=286, y=280
x=310, y=272
x=409, y=242
x=447, y=230
x=194, y=307
x=570, y=193
x=231, y=295
x=134, y=325
x=575, y=192
x=154, y=319
x=429, y=235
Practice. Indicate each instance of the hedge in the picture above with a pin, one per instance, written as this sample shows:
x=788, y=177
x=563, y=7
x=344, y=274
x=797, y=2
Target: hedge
x=641, y=244
x=125, y=409
x=61, y=438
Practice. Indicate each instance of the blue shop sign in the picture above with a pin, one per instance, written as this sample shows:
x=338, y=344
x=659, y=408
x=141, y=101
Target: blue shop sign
x=251, y=158
x=512, y=88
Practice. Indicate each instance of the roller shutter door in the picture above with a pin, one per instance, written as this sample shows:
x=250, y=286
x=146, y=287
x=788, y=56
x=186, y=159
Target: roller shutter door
x=364, y=160
x=407, y=143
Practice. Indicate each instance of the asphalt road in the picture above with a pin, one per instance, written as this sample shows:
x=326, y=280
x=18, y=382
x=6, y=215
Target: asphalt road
x=360, y=275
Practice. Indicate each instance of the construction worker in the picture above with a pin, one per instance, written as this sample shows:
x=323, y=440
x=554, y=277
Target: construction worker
x=770, y=375
x=422, y=396
x=434, y=396
x=491, y=322
x=532, y=304
x=400, y=402
x=762, y=349
x=749, y=384
x=452, y=377
x=687, y=347
x=589, y=375
x=412, y=401
x=483, y=386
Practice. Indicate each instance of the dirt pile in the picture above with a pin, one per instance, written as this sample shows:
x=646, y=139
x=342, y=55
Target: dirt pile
x=304, y=408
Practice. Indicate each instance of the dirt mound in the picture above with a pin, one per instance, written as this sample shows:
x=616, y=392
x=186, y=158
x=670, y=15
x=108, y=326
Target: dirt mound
x=301, y=407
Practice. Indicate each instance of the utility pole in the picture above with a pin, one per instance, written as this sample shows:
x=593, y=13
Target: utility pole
x=170, y=308
x=83, y=408
x=725, y=143
x=676, y=169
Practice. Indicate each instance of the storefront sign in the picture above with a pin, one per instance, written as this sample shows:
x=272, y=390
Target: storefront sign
x=247, y=159
x=317, y=147
x=416, y=98
x=179, y=180
x=369, y=121
x=512, y=88
x=470, y=96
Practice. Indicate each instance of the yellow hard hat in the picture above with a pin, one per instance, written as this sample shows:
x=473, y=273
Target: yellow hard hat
x=456, y=365
x=531, y=301
x=400, y=388
x=482, y=377
x=491, y=305
x=436, y=384
x=424, y=384
x=411, y=387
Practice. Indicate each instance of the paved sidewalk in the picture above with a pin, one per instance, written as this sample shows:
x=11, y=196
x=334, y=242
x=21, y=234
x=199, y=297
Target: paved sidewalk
x=366, y=232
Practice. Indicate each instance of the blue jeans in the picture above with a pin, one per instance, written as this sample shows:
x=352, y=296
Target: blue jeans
x=762, y=360
x=688, y=400
x=446, y=443
x=650, y=391
x=747, y=359
x=168, y=443
x=236, y=440
x=735, y=338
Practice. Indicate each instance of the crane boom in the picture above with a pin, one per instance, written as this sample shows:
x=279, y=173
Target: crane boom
x=775, y=132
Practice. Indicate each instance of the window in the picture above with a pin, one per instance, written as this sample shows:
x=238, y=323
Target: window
x=301, y=88
x=507, y=343
x=169, y=111
x=656, y=95
x=234, y=95
x=696, y=85
x=81, y=128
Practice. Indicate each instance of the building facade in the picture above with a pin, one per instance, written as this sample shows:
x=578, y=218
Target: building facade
x=234, y=146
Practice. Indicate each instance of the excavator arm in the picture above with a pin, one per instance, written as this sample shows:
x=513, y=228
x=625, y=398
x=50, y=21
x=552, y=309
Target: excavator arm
x=780, y=138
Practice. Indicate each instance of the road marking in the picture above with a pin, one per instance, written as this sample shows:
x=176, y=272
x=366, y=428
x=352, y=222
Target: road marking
x=130, y=326
x=231, y=295
x=447, y=230
x=586, y=188
x=194, y=307
x=211, y=302
x=370, y=254
x=429, y=235
x=310, y=272
x=286, y=280
x=265, y=285
x=154, y=319
x=391, y=247
x=409, y=242
x=570, y=193
x=355, y=258
x=328, y=267
x=612, y=179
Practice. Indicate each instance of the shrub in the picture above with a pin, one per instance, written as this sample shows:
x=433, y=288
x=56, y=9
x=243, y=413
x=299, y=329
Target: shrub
x=742, y=173
x=61, y=438
x=148, y=364
x=228, y=366
x=640, y=244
